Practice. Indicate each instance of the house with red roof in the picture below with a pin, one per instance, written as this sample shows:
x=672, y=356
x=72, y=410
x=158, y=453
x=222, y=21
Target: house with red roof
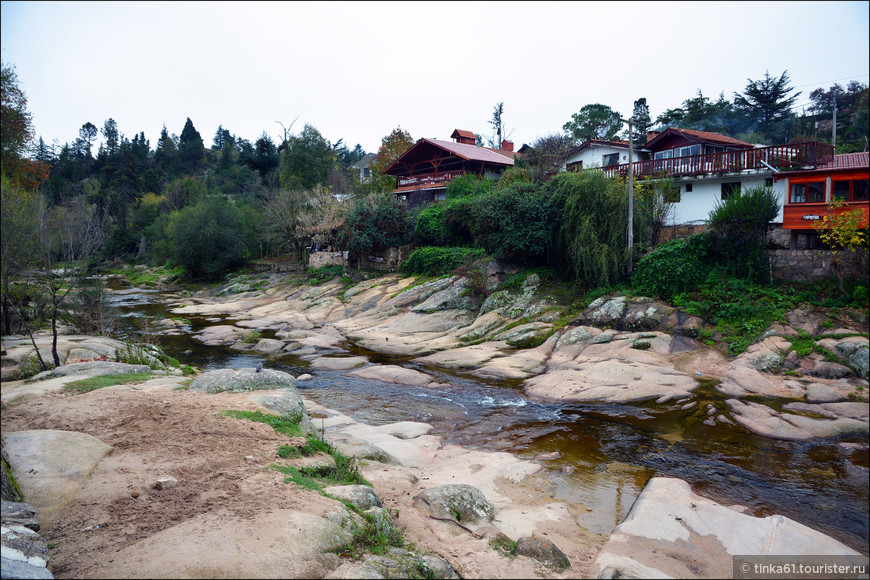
x=707, y=167
x=425, y=169
x=809, y=193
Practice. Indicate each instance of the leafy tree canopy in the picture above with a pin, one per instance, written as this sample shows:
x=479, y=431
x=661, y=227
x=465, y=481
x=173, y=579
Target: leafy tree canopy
x=594, y=121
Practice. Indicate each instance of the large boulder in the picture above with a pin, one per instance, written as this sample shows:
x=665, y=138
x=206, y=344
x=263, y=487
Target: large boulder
x=671, y=532
x=362, y=496
x=544, y=551
x=246, y=379
x=288, y=403
x=460, y=503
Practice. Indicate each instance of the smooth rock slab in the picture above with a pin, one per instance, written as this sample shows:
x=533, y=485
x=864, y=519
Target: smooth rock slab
x=611, y=381
x=394, y=374
x=765, y=421
x=247, y=379
x=672, y=532
x=51, y=466
x=338, y=363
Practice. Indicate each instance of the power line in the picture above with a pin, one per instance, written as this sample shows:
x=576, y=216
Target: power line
x=853, y=77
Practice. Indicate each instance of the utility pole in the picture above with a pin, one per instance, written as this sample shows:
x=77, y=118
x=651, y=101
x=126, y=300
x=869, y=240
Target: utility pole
x=631, y=122
x=834, y=134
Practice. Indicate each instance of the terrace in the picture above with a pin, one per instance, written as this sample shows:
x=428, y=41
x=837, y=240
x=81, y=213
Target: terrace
x=780, y=157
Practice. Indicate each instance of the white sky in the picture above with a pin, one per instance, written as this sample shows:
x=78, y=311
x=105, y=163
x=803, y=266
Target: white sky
x=357, y=70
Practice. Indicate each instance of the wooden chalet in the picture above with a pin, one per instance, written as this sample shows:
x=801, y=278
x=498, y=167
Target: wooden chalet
x=424, y=170
x=809, y=193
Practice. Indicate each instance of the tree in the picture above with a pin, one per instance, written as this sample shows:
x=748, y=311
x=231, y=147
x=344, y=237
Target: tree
x=18, y=243
x=392, y=147
x=191, y=150
x=112, y=136
x=498, y=127
x=841, y=231
x=594, y=121
x=546, y=156
x=739, y=226
x=16, y=122
x=375, y=222
x=290, y=213
x=209, y=238
x=640, y=114
x=767, y=104
x=306, y=161
x=87, y=134
x=590, y=237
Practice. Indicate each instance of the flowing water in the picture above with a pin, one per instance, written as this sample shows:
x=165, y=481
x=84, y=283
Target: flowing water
x=604, y=454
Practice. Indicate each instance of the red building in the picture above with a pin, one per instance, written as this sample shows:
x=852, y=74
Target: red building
x=424, y=170
x=809, y=193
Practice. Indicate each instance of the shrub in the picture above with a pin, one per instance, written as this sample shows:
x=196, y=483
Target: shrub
x=674, y=267
x=324, y=274
x=739, y=227
x=209, y=237
x=514, y=222
x=431, y=261
x=431, y=228
x=374, y=223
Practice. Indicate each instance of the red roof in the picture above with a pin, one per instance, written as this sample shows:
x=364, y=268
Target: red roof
x=840, y=162
x=848, y=161
x=462, y=150
x=704, y=136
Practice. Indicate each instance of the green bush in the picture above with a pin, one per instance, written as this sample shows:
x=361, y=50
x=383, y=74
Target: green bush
x=374, y=223
x=432, y=261
x=209, y=237
x=672, y=268
x=739, y=227
x=431, y=229
x=513, y=223
x=323, y=274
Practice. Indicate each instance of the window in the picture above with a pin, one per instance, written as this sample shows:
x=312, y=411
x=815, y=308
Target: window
x=689, y=188
x=850, y=190
x=809, y=192
x=841, y=190
x=768, y=182
x=686, y=151
x=730, y=188
x=611, y=160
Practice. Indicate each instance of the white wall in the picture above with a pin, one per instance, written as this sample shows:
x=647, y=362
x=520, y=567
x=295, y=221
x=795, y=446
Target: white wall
x=695, y=206
x=594, y=155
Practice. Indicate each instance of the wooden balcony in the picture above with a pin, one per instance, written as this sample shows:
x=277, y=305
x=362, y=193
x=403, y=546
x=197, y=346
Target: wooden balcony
x=427, y=180
x=791, y=156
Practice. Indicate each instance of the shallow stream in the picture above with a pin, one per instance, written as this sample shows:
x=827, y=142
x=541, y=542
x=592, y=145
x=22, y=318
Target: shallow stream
x=599, y=456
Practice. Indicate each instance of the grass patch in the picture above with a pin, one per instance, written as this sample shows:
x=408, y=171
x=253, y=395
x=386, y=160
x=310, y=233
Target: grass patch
x=285, y=425
x=373, y=538
x=323, y=274
x=252, y=337
x=345, y=472
x=504, y=545
x=94, y=383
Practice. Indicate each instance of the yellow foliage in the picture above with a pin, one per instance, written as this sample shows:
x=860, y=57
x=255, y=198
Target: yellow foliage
x=842, y=230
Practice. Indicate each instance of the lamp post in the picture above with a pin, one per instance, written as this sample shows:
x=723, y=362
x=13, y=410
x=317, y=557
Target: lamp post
x=631, y=122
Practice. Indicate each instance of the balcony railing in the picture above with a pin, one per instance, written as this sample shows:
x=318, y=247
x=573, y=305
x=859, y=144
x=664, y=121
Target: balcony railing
x=427, y=179
x=778, y=156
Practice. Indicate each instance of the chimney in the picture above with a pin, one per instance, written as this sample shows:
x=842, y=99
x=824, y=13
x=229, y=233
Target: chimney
x=462, y=136
x=507, y=145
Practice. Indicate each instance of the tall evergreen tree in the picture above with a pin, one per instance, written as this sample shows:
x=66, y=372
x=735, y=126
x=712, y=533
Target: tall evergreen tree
x=640, y=113
x=191, y=150
x=767, y=103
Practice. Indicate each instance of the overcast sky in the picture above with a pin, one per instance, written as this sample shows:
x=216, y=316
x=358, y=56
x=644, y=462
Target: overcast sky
x=357, y=70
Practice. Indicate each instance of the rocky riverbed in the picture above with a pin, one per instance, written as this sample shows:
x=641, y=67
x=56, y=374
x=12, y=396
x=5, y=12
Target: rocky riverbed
x=229, y=516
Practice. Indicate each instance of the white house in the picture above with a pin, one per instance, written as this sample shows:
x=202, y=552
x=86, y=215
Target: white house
x=708, y=167
x=600, y=153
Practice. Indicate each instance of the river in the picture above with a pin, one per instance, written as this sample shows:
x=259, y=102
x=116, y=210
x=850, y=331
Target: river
x=600, y=456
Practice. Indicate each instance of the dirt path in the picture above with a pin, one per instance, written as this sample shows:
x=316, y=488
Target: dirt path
x=121, y=526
